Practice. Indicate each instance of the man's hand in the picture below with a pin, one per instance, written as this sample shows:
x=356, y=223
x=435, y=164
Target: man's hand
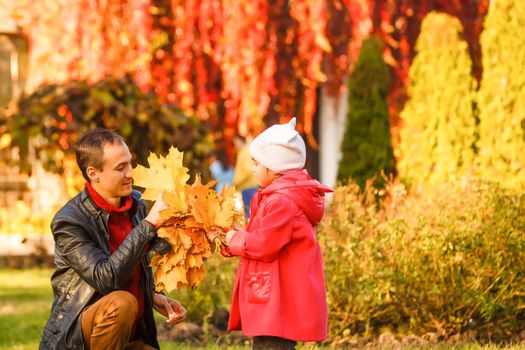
x=170, y=308
x=154, y=215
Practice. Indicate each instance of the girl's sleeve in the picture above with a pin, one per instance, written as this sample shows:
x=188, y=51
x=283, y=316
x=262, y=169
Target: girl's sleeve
x=273, y=233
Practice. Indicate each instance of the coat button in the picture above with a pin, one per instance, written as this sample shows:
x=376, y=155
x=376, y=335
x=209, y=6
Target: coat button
x=60, y=316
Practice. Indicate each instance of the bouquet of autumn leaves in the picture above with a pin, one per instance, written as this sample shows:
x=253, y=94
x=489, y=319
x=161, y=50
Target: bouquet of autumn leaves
x=192, y=211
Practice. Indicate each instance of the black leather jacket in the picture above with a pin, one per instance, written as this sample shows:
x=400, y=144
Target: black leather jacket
x=85, y=269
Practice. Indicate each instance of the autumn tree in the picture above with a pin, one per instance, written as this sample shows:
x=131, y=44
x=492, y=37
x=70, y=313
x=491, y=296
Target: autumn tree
x=502, y=94
x=366, y=149
x=438, y=122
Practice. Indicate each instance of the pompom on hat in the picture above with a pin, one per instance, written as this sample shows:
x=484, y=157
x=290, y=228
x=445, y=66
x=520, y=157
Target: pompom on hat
x=280, y=148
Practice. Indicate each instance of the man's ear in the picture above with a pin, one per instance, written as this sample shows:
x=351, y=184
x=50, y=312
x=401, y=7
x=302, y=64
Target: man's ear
x=92, y=174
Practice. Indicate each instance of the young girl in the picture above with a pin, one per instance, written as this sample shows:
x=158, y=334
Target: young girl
x=279, y=296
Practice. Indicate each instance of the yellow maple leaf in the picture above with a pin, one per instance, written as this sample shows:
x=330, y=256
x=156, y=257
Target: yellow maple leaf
x=184, y=238
x=176, y=278
x=176, y=202
x=155, y=259
x=168, y=276
x=228, y=192
x=203, y=208
x=177, y=256
x=177, y=220
x=191, y=261
x=164, y=174
x=198, y=237
x=162, y=268
x=226, y=209
x=195, y=276
x=190, y=222
x=199, y=261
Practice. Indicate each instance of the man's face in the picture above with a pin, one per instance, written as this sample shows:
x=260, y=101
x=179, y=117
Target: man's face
x=114, y=180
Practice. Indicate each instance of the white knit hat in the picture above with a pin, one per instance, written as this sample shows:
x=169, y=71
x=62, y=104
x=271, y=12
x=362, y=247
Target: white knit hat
x=280, y=148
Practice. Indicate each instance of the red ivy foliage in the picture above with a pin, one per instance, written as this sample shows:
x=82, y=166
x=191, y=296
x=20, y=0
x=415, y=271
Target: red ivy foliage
x=234, y=62
x=240, y=63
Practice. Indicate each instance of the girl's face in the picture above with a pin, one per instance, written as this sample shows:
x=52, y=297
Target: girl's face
x=264, y=175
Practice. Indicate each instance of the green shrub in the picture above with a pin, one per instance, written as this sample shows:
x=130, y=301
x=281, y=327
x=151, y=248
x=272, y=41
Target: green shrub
x=366, y=148
x=502, y=94
x=438, y=131
x=54, y=116
x=442, y=261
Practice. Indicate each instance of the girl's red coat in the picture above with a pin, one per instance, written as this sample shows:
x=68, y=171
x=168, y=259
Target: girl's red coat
x=279, y=289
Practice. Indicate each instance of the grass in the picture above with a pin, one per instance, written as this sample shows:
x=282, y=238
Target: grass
x=25, y=302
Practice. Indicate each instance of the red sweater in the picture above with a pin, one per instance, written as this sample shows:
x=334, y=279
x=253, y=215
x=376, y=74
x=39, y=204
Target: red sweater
x=119, y=224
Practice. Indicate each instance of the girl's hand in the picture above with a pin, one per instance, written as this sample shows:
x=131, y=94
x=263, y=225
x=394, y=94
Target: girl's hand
x=213, y=233
x=238, y=226
x=229, y=236
x=170, y=308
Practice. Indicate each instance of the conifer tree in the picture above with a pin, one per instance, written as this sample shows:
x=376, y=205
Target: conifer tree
x=366, y=148
x=438, y=133
x=501, y=96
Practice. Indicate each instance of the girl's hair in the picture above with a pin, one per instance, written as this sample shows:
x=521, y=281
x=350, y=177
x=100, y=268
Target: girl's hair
x=89, y=150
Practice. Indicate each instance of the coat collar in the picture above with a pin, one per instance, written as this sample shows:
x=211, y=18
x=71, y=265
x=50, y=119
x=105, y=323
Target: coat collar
x=108, y=207
x=95, y=210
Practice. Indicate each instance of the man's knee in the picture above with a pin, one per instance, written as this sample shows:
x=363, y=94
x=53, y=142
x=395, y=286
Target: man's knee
x=111, y=316
x=124, y=304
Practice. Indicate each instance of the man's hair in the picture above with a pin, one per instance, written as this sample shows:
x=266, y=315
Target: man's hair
x=89, y=149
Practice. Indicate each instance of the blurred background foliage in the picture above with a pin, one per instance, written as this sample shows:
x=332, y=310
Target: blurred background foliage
x=48, y=122
x=366, y=148
x=444, y=261
x=501, y=96
x=439, y=130
x=210, y=58
x=450, y=125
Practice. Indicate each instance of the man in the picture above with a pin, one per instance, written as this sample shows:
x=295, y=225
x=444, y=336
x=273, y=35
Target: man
x=103, y=286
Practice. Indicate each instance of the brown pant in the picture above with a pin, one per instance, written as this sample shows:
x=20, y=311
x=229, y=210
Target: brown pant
x=107, y=324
